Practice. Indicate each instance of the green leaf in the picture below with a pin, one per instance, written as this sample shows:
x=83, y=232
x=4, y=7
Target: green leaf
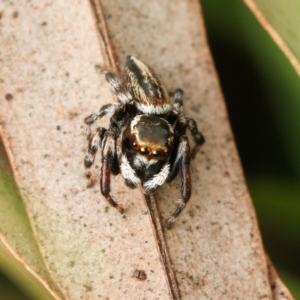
x=17, y=234
x=281, y=20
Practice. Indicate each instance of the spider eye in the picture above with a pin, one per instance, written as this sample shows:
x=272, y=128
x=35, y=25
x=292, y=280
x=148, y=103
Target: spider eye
x=154, y=153
x=143, y=150
x=134, y=144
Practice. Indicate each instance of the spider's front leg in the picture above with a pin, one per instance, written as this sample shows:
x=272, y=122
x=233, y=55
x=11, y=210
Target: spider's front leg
x=197, y=135
x=186, y=122
x=95, y=140
x=122, y=94
x=109, y=165
x=181, y=163
x=102, y=111
x=118, y=87
x=178, y=101
x=94, y=144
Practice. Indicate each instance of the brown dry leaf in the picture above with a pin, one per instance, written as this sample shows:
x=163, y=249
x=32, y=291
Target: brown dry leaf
x=51, y=54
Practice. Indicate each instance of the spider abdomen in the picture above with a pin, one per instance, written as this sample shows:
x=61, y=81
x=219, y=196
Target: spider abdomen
x=147, y=90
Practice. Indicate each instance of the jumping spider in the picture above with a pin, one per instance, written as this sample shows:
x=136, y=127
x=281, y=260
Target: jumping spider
x=155, y=147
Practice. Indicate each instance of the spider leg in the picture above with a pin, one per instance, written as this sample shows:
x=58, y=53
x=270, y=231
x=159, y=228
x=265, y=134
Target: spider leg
x=109, y=165
x=102, y=111
x=122, y=94
x=94, y=143
x=186, y=122
x=157, y=180
x=119, y=88
x=182, y=162
x=178, y=101
x=197, y=135
x=129, y=175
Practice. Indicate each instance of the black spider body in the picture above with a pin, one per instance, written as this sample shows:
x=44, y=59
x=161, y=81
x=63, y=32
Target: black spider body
x=154, y=147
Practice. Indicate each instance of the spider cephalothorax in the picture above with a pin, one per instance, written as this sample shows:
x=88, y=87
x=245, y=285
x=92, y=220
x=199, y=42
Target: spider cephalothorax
x=154, y=147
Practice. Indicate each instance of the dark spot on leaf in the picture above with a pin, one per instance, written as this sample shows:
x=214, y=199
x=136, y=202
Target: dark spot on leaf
x=9, y=97
x=87, y=287
x=71, y=263
x=139, y=274
x=15, y=14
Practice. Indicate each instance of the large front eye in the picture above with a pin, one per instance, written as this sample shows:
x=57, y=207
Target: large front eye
x=155, y=153
x=159, y=153
x=144, y=150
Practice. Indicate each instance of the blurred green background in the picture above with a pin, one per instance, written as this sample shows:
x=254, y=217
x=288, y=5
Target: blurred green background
x=262, y=93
